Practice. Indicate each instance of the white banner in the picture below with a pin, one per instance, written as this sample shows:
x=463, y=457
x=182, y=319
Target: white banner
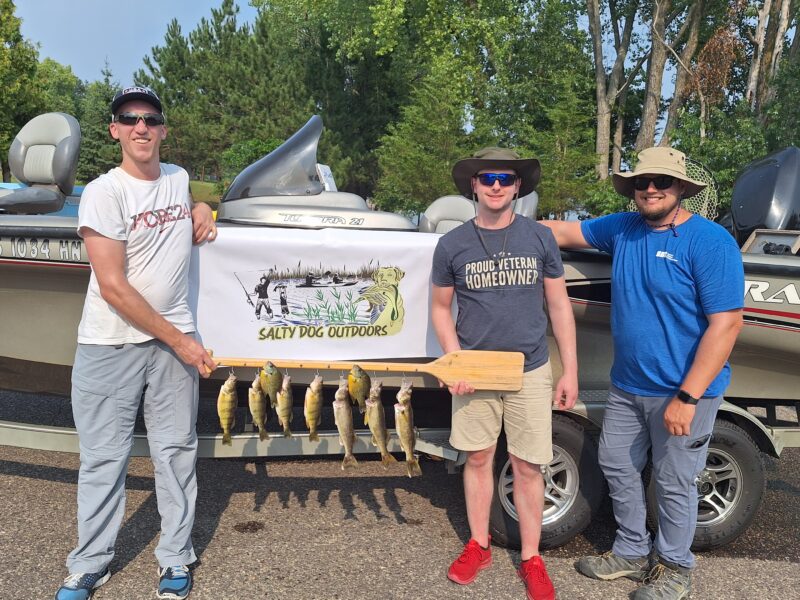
x=331, y=294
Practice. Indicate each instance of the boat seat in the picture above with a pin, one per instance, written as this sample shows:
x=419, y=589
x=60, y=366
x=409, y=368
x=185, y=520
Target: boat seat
x=448, y=212
x=44, y=157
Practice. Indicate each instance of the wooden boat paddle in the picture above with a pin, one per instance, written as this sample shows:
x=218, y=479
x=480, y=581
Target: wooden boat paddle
x=483, y=369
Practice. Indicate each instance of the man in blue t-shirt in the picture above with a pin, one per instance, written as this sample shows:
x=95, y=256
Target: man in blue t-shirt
x=500, y=267
x=677, y=286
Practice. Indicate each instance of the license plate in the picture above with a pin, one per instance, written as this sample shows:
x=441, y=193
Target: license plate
x=45, y=249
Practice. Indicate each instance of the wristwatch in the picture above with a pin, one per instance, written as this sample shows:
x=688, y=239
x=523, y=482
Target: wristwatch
x=687, y=398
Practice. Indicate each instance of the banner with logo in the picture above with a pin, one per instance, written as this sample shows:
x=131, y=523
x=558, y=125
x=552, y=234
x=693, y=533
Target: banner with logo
x=331, y=294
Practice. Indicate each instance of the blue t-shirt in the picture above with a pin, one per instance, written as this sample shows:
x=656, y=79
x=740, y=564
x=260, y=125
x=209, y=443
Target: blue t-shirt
x=500, y=305
x=662, y=288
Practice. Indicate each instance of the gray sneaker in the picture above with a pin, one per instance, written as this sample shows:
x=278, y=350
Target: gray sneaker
x=610, y=566
x=665, y=583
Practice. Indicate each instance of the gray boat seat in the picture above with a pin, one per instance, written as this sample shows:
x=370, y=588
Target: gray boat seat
x=448, y=212
x=43, y=156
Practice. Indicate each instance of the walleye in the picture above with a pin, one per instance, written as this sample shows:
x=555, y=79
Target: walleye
x=285, y=405
x=258, y=407
x=312, y=409
x=343, y=415
x=226, y=408
x=358, y=385
x=271, y=379
x=404, y=423
x=377, y=424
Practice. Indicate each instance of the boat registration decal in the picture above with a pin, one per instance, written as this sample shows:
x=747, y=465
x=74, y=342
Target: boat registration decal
x=44, y=249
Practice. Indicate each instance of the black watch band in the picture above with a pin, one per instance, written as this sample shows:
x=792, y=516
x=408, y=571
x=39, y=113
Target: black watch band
x=686, y=397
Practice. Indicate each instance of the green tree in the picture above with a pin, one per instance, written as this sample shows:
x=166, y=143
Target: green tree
x=20, y=99
x=416, y=155
x=99, y=152
x=62, y=91
x=240, y=155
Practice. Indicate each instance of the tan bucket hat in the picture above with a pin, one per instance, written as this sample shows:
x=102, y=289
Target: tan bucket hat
x=528, y=169
x=658, y=161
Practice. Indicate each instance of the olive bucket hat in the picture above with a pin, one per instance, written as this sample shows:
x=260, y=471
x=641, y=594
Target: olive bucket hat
x=528, y=169
x=658, y=161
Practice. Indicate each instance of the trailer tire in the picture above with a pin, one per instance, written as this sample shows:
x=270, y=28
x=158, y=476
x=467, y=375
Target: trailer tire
x=574, y=489
x=731, y=488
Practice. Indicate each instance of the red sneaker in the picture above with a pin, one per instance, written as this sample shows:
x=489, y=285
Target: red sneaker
x=473, y=559
x=537, y=581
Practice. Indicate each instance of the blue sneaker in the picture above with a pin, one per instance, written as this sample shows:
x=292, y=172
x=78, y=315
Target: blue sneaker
x=175, y=583
x=80, y=586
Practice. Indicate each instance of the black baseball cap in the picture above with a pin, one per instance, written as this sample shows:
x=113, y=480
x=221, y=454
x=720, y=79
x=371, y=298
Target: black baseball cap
x=135, y=92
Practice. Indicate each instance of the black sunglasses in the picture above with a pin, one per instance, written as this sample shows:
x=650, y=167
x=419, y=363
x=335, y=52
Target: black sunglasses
x=662, y=182
x=132, y=118
x=488, y=179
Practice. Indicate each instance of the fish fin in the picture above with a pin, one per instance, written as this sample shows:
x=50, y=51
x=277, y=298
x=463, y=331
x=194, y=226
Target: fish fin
x=387, y=459
x=226, y=439
x=287, y=432
x=366, y=420
x=262, y=434
x=349, y=462
x=313, y=436
x=413, y=468
x=374, y=441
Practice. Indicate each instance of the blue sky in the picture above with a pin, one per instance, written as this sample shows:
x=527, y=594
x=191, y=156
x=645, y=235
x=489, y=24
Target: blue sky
x=85, y=33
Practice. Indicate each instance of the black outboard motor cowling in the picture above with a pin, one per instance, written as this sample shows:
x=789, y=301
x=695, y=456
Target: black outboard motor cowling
x=766, y=194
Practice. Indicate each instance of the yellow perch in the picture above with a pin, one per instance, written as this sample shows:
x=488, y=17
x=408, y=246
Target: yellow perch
x=284, y=409
x=377, y=424
x=226, y=408
x=343, y=415
x=404, y=423
x=258, y=407
x=312, y=409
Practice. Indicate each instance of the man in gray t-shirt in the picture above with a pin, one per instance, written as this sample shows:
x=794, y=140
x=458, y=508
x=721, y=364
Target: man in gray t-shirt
x=501, y=267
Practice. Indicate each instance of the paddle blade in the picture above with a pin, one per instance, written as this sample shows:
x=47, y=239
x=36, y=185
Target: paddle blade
x=482, y=369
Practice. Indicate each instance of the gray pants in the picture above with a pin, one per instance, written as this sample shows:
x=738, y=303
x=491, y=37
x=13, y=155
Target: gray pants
x=632, y=425
x=107, y=384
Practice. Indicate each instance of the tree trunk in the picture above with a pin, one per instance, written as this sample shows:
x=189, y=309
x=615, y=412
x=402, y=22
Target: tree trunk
x=616, y=154
x=655, y=75
x=684, y=77
x=772, y=55
x=6, y=170
x=751, y=95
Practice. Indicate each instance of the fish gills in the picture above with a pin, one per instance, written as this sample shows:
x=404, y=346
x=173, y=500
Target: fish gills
x=271, y=382
x=404, y=422
x=312, y=409
x=226, y=408
x=377, y=424
x=284, y=408
x=343, y=415
x=358, y=385
x=258, y=407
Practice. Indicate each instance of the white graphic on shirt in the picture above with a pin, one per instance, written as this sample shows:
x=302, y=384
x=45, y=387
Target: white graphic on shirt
x=665, y=254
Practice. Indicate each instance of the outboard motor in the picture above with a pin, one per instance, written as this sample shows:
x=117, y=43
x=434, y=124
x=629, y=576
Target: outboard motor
x=766, y=195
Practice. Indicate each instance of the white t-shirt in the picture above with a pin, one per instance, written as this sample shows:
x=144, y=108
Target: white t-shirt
x=154, y=220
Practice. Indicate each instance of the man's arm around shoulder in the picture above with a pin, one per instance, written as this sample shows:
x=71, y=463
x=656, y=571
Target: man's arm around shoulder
x=568, y=234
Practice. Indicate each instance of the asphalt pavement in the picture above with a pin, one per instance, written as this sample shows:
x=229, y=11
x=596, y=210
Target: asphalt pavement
x=302, y=529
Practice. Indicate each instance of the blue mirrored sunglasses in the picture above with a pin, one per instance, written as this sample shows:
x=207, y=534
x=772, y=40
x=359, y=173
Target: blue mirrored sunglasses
x=505, y=179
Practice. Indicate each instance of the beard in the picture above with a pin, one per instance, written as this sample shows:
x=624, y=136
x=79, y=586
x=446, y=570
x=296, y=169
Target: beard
x=656, y=213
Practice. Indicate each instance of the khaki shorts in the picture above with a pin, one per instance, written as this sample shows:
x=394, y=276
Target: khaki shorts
x=526, y=415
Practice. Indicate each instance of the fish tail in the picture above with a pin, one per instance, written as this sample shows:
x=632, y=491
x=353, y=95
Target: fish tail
x=262, y=434
x=413, y=468
x=366, y=418
x=349, y=462
x=226, y=438
x=387, y=459
x=313, y=436
x=287, y=433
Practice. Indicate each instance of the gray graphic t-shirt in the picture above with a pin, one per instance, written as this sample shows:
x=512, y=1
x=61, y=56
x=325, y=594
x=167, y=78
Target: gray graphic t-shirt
x=500, y=296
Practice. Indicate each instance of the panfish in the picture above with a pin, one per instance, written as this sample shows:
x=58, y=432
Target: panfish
x=271, y=380
x=258, y=407
x=377, y=424
x=226, y=408
x=284, y=408
x=358, y=385
x=343, y=415
x=312, y=409
x=404, y=423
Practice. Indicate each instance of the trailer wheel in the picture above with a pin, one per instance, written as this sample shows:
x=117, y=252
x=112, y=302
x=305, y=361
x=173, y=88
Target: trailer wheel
x=730, y=488
x=574, y=489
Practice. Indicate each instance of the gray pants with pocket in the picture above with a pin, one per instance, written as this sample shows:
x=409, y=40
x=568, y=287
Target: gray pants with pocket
x=107, y=385
x=632, y=425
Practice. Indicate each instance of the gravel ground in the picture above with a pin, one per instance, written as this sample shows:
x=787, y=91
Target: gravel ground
x=301, y=529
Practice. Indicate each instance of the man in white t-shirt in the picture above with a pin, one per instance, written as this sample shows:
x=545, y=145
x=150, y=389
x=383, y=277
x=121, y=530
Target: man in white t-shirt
x=136, y=335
